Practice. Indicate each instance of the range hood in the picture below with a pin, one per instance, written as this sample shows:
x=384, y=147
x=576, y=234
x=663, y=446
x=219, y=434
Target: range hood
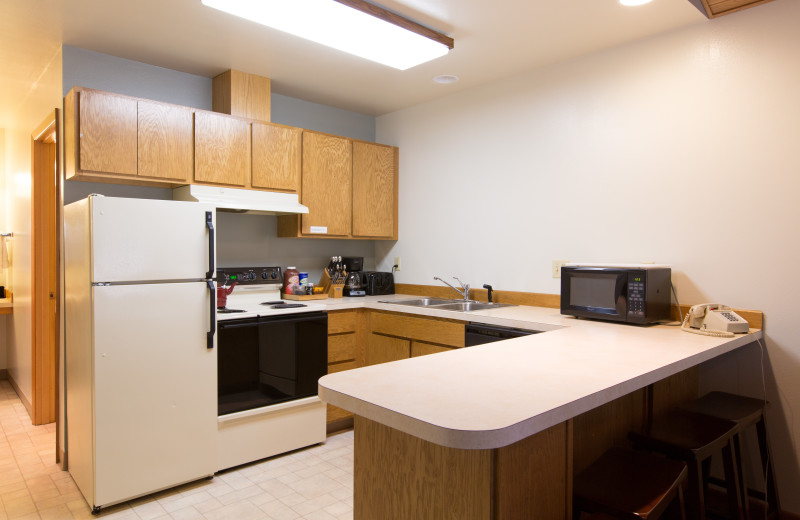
x=242, y=201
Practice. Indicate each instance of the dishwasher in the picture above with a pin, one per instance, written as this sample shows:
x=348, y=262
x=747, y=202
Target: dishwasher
x=479, y=333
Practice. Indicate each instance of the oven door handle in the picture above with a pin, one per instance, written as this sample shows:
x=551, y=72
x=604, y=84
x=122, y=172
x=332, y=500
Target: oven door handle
x=212, y=318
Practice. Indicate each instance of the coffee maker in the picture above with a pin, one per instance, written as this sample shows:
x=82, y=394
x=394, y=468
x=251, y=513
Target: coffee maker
x=354, y=283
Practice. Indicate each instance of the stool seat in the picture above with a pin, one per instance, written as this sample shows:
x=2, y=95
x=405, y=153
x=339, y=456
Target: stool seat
x=745, y=411
x=694, y=438
x=600, y=516
x=629, y=484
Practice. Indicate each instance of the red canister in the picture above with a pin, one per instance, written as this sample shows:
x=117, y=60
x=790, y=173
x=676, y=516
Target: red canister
x=291, y=281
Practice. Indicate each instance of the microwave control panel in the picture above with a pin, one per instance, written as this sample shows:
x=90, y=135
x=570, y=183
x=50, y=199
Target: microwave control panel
x=636, y=294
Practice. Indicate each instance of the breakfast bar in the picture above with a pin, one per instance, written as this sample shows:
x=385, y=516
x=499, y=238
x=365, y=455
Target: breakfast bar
x=498, y=430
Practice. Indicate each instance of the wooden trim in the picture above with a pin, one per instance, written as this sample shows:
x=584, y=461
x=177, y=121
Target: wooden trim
x=553, y=301
x=46, y=165
x=400, y=21
x=716, y=8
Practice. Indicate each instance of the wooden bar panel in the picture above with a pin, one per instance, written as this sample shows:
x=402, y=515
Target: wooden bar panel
x=402, y=477
x=531, y=477
x=673, y=391
x=429, y=330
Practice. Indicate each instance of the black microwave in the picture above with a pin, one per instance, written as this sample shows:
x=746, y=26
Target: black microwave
x=631, y=294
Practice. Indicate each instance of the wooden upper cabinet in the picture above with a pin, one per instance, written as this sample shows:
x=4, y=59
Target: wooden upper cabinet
x=106, y=133
x=276, y=157
x=374, y=190
x=326, y=185
x=166, y=150
x=221, y=149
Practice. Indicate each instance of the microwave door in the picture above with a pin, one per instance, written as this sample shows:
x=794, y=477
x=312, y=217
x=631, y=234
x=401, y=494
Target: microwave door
x=595, y=293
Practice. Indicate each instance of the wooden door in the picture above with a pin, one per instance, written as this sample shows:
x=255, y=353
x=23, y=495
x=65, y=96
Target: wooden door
x=276, y=157
x=107, y=133
x=327, y=179
x=165, y=147
x=221, y=149
x=374, y=190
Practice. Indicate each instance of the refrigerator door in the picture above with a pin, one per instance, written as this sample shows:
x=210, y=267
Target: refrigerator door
x=155, y=389
x=150, y=240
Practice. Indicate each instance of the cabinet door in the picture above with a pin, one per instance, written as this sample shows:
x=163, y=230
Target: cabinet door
x=165, y=141
x=420, y=348
x=107, y=138
x=374, y=190
x=383, y=349
x=327, y=178
x=276, y=157
x=222, y=149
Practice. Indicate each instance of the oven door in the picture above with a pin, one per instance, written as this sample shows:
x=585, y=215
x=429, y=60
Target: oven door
x=270, y=360
x=595, y=292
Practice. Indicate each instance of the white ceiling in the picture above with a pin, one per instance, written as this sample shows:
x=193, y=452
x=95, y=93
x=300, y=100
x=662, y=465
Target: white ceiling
x=492, y=40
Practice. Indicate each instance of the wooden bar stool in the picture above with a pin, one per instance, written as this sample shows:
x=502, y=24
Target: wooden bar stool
x=629, y=485
x=694, y=438
x=745, y=412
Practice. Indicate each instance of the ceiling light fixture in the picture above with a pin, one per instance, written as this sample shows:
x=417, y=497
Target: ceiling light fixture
x=352, y=26
x=634, y=2
x=445, y=79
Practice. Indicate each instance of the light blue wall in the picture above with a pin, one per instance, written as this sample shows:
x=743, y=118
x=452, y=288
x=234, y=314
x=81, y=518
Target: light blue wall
x=242, y=239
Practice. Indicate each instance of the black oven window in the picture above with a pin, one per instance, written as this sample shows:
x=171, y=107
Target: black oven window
x=588, y=290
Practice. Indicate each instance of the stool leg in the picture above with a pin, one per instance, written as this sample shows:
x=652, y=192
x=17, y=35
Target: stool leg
x=767, y=467
x=732, y=481
x=682, y=502
x=694, y=494
x=740, y=472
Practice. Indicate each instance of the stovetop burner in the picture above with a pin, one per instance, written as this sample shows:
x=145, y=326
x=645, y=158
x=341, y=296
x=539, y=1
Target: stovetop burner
x=225, y=310
x=281, y=305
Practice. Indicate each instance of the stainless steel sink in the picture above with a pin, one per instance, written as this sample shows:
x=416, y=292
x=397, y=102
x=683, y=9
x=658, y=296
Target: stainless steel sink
x=448, y=305
x=471, y=306
x=420, y=302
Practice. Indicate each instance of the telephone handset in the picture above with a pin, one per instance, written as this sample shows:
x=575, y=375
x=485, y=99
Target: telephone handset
x=713, y=319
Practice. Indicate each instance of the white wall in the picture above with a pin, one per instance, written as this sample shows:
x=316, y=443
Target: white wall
x=3, y=220
x=40, y=102
x=680, y=149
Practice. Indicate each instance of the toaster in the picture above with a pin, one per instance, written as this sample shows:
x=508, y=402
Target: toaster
x=377, y=282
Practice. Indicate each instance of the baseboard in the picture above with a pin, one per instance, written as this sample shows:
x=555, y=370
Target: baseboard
x=3, y=374
x=340, y=425
x=21, y=396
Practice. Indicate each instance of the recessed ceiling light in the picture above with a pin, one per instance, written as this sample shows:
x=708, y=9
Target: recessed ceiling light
x=345, y=28
x=445, y=79
x=634, y=2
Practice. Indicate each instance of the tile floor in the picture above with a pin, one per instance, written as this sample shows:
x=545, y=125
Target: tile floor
x=315, y=483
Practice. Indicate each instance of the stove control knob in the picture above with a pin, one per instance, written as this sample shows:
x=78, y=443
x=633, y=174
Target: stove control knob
x=274, y=275
x=264, y=275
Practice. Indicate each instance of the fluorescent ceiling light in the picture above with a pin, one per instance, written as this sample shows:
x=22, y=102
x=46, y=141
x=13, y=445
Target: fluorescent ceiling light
x=344, y=28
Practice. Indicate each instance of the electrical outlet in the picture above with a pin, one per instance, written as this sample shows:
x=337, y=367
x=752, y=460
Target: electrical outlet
x=397, y=263
x=557, y=265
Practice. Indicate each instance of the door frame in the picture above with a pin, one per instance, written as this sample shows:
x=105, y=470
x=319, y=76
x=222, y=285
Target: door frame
x=46, y=205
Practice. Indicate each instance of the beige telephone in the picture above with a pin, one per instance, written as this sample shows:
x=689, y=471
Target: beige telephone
x=713, y=319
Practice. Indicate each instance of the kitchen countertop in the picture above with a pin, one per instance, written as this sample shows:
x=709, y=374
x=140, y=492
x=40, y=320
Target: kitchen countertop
x=496, y=394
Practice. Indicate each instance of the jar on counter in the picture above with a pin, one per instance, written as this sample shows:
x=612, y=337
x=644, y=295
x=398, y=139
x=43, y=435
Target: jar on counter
x=291, y=281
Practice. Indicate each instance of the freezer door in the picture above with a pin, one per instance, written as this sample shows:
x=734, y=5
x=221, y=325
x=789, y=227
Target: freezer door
x=155, y=388
x=146, y=240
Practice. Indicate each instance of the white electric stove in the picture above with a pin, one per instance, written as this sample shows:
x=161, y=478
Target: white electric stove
x=270, y=356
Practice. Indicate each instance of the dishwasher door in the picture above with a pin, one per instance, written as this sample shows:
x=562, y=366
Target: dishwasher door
x=479, y=333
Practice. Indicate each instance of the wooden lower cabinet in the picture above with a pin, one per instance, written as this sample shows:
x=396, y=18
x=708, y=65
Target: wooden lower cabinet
x=420, y=348
x=345, y=351
x=383, y=349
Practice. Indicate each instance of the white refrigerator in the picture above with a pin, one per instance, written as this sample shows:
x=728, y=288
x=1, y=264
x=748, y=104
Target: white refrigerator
x=140, y=357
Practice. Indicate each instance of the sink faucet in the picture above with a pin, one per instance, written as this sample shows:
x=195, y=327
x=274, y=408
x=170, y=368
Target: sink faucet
x=464, y=291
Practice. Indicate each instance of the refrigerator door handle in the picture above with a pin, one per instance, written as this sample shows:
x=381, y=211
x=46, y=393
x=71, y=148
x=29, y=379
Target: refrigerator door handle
x=210, y=226
x=212, y=322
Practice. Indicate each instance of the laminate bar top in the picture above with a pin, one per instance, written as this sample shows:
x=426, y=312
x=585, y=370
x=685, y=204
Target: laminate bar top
x=493, y=395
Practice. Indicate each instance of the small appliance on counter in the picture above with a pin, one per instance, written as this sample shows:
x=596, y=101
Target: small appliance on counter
x=378, y=283
x=631, y=293
x=354, y=283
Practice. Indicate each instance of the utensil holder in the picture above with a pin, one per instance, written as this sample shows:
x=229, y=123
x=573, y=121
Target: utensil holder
x=333, y=290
